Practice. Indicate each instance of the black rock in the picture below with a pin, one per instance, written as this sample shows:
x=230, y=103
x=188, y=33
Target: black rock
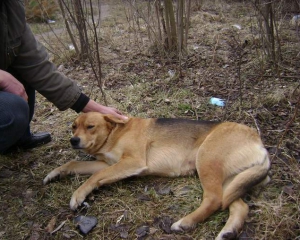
x=142, y=232
x=85, y=223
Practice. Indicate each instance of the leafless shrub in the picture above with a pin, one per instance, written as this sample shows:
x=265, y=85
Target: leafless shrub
x=82, y=19
x=267, y=19
x=165, y=21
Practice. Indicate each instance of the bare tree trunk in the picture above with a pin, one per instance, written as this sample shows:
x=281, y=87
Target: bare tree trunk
x=171, y=25
x=157, y=12
x=180, y=27
x=81, y=28
x=187, y=22
x=268, y=30
x=267, y=13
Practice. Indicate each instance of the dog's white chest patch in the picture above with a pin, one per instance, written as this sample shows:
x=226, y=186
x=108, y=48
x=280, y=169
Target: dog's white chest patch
x=111, y=158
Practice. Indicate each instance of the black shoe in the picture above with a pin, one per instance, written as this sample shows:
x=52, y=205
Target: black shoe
x=33, y=141
x=36, y=140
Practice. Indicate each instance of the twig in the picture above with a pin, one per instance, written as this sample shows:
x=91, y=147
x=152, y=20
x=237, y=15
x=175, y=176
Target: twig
x=68, y=27
x=59, y=227
x=97, y=59
x=257, y=127
x=51, y=28
x=272, y=76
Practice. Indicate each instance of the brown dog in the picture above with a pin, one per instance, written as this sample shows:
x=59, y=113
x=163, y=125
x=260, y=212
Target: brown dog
x=228, y=157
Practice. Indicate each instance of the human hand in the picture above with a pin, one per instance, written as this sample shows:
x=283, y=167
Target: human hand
x=92, y=106
x=8, y=83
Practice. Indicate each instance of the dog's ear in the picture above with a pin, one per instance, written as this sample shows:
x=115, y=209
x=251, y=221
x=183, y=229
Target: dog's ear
x=112, y=119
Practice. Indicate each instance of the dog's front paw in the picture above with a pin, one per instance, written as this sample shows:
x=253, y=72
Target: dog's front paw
x=226, y=235
x=176, y=226
x=181, y=226
x=76, y=200
x=53, y=174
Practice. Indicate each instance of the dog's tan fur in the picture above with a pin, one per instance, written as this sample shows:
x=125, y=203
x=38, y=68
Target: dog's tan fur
x=229, y=158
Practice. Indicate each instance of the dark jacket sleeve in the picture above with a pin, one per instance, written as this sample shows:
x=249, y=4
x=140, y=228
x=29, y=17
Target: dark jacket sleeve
x=33, y=66
x=28, y=60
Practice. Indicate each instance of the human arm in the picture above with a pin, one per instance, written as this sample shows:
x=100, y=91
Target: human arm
x=33, y=64
x=8, y=83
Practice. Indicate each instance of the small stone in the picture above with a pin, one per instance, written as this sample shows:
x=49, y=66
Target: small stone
x=85, y=223
x=163, y=190
x=144, y=197
x=142, y=231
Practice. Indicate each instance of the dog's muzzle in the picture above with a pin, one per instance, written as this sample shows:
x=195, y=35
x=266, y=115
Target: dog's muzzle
x=75, y=142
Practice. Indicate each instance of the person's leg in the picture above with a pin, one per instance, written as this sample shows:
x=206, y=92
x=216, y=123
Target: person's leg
x=14, y=119
x=29, y=140
x=31, y=102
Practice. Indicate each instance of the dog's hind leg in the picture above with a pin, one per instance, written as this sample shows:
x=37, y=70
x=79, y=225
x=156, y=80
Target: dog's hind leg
x=244, y=181
x=238, y=211
x=211, y=182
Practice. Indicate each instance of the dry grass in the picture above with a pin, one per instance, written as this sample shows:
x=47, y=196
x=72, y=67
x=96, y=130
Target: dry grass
x=139, y=83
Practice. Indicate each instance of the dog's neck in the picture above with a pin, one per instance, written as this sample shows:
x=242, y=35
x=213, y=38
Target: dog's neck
x=99, y=150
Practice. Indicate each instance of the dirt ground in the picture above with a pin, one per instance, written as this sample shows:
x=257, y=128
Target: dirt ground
x=141, y=83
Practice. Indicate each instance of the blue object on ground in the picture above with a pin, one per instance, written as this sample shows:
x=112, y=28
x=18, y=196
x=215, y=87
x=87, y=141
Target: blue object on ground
x=217, y=101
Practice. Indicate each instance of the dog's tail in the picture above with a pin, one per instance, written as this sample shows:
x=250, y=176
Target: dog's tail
x=246, y=179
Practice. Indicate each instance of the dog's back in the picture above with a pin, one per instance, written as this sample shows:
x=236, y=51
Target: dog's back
x=172, y=145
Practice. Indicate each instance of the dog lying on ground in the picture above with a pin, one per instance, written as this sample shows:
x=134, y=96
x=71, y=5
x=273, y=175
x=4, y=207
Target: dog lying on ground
x=229, y=158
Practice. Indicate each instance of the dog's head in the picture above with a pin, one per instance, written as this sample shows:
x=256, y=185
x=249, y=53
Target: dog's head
x=91, y=130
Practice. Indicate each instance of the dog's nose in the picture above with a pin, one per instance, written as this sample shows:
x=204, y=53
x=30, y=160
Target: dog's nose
x=75, y=141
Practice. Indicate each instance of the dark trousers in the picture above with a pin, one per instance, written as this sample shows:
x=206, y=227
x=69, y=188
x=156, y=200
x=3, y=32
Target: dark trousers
x=15, y=117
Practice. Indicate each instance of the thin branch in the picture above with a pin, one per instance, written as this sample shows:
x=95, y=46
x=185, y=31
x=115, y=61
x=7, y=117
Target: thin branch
x=272, y=76
x=68, y=27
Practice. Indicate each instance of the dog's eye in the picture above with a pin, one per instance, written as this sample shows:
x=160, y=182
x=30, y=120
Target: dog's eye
x=74, y=127
x=90, y=126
